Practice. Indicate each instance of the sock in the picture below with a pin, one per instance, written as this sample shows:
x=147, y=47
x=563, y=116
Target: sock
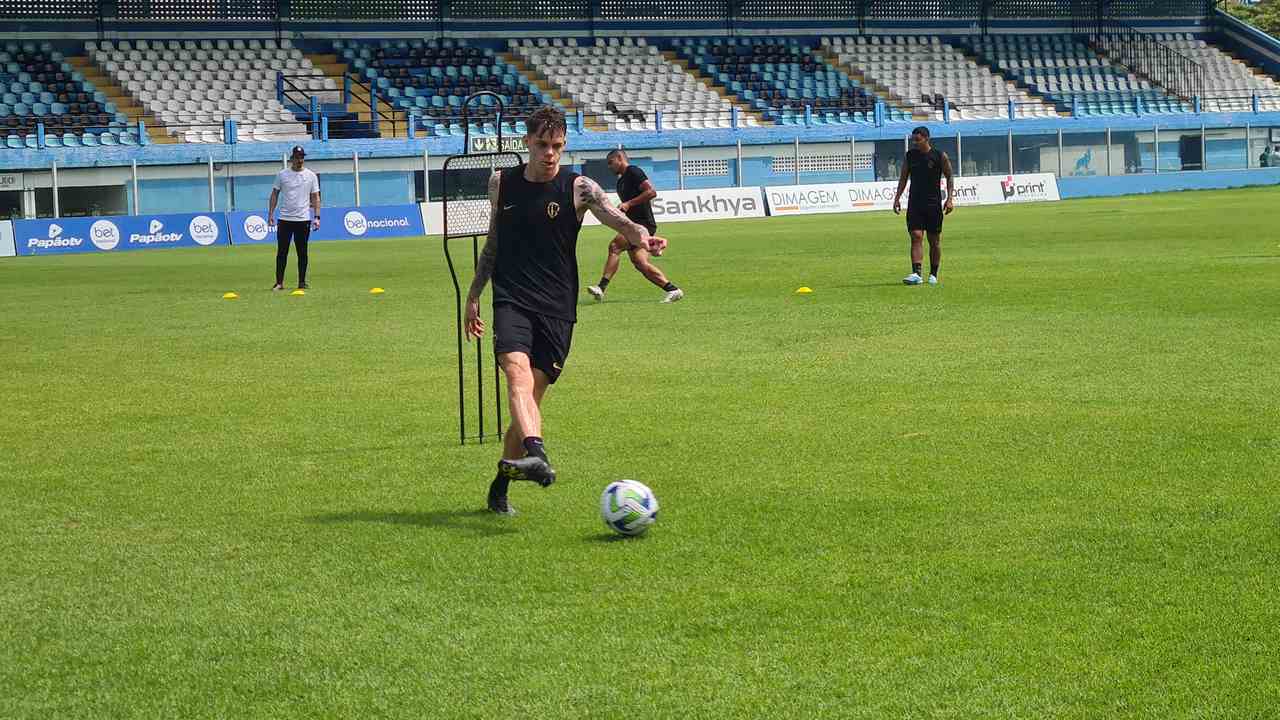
x=933, y=270
x=533, y=446
x=915, y=268
x=604, y=283
x=670, y=286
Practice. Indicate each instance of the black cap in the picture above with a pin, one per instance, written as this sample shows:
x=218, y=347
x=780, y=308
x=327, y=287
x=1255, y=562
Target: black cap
x=297, y=151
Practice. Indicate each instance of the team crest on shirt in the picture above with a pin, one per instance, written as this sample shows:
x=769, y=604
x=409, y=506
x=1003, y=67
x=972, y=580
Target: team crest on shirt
x=553, y=209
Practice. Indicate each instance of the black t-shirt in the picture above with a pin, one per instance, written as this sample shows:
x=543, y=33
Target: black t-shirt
x=926, y=177
x=629, y=186
x=537, y=265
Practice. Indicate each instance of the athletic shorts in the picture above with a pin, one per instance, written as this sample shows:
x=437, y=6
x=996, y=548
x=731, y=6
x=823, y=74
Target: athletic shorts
x=544, y=339
x=928, y=218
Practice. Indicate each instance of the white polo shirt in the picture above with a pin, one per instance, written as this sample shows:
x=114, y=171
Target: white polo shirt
x=295, y=193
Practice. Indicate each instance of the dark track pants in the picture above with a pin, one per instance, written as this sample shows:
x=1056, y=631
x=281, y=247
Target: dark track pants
x=296, y=232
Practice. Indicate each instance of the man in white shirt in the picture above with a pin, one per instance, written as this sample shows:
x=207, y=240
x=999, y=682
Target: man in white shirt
x=299, y=214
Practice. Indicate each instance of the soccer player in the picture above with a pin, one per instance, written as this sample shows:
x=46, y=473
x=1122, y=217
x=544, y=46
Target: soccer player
x=299, y=214
x=535, y=213
x=925, y=166
x=637, y=194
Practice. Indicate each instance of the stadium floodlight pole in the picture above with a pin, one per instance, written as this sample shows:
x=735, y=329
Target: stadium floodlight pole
x=1059, y=152
x=1155, y=145
x=739, y=162
x=355, y=173
x=680, y=162
x=795, y=155
x=134, y=173
x=853, y=177
x=54, y=178
x=1010, y=151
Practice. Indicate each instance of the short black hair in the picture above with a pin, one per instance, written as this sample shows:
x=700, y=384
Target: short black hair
x=546, y=119
x=615, y=153
x=922, y=130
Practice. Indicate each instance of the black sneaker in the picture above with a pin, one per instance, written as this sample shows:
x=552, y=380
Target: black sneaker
x=498, y=499
x=531, y=469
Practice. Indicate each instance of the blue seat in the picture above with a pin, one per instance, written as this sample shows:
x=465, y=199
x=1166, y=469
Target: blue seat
x=107, y=138
x=13, y=142
x=30, y=142
x=71, y=140
x=89, y=140
x=52, y=141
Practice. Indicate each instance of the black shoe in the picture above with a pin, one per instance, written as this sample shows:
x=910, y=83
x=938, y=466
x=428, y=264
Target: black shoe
x=498, y=499
x=532, y=469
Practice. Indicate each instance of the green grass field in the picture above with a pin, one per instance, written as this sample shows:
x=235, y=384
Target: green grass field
x=1045, y=489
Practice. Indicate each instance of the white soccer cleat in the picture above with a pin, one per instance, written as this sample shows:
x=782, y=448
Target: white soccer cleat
x=673, y=296
x=595, y=292
x=912, y=279
x=933, y=279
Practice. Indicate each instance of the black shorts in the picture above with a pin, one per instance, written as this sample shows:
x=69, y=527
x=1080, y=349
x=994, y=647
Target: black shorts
x=927, y=218
x=544, y=339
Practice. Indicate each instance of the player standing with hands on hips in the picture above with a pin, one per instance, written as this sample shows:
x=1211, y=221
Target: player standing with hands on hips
x=299, y=214
x=535, y=213
x=925, y=166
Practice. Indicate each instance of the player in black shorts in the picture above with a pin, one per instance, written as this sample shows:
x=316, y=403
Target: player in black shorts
x=925, y=166
x=535, y=212
x=637, y=194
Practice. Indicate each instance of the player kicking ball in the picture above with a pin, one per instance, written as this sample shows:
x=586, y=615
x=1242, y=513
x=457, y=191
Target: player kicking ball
x=535, y=213
x=637, y=194
x=925, y=166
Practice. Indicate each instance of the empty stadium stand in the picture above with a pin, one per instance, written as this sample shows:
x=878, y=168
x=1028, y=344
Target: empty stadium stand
x=38, y=87
x=921, y=73
x=624, y=84
x=781, y=78
x=1230, y=84
x=1070, y=74
x=216, y=79
x=429, y=79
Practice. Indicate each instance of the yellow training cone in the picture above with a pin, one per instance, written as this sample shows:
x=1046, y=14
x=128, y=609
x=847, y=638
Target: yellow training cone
x=299, y=292
x=376, y=291
x=803, y=290
x=230, y=296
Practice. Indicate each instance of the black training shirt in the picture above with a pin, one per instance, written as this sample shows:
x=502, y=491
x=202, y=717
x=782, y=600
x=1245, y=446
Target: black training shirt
x=537, y=264
x=629, y=186
x=926, y=177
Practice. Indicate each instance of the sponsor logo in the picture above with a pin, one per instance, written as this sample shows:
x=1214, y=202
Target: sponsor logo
x=1013, y=190
x=104, y=234
x=355, y=223
x=203, y=230
x=791, y=200
x=55, y=239
x=255, y=228
x=706, y=205
x=155, y=235
x=871, y=195
x=553, y=209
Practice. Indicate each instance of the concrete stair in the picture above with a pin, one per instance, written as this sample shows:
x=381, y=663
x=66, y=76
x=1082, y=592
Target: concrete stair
x=124, y=102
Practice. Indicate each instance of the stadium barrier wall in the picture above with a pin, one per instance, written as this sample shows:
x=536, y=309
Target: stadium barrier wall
x=119, y=232
x=336, y=223
x=1076, y=188
x=7, y=248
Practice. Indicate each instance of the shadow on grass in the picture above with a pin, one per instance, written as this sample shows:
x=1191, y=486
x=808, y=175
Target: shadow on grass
x=608, y=537
x=481, y=523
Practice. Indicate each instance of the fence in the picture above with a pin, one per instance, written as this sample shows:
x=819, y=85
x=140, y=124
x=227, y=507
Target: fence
x=354, y=180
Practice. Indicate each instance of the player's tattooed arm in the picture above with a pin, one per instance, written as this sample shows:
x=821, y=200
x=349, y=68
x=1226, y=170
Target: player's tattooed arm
x=589, y=196
x=489, y=255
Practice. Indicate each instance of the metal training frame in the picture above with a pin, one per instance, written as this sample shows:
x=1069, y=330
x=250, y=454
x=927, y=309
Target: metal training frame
x=466, y=215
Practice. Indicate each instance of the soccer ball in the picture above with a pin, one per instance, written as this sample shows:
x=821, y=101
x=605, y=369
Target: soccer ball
x=628, y=507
